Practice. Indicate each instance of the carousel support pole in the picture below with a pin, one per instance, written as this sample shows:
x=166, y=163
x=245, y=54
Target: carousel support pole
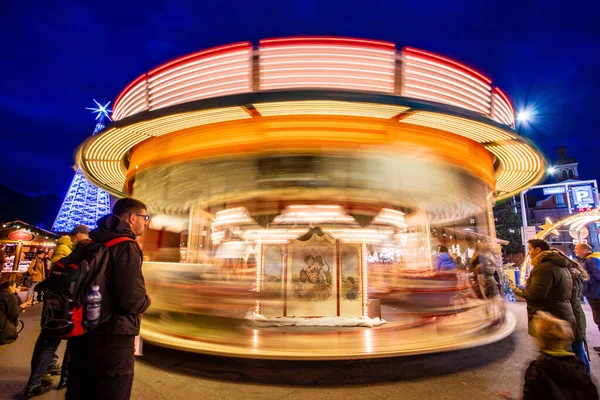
x=259, y=267
x=425, y=215
x=196, y=241
x=365, y=281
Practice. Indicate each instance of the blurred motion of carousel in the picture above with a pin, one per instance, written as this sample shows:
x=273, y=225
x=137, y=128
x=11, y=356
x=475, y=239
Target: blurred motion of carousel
x=301, y=190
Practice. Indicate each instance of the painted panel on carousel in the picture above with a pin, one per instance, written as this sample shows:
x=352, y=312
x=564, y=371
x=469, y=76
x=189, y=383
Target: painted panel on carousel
x=312, y=277
x=272, y=280
x=351, y=290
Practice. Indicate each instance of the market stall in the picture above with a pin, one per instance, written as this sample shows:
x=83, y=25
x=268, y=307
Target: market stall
x=22, y=241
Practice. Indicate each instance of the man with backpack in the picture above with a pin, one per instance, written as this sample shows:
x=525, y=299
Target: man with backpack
x=44, y=359
x=102, y=358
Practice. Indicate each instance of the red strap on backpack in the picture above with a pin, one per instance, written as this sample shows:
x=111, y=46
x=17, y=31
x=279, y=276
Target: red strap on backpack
x=118, y=240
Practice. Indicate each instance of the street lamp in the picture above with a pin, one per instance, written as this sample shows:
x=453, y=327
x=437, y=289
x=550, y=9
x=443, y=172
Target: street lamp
x=526, y=115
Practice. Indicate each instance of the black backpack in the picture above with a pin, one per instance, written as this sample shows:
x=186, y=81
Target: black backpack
x=66, y=289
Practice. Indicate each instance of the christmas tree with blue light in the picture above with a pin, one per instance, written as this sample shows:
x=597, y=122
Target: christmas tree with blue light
x=84, y=203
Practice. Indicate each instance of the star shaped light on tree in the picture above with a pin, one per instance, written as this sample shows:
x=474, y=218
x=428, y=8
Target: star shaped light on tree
x=102, y=111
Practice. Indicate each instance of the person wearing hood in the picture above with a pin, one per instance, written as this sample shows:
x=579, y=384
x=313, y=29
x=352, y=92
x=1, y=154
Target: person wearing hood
x=556, y=373
x=549, y=286
x=443, y=262
x=102, y=360
x=63, y=248
x=591, y=288
x=68, y=243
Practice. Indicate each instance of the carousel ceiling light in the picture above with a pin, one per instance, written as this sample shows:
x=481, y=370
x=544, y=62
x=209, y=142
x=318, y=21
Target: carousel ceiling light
x=326, y=107
x=390, y=217
x=313, y=214
x=341, y=65
x=233, y=216
x=196, y=69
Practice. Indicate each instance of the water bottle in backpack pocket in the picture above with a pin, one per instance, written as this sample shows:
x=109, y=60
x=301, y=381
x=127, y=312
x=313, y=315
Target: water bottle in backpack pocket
x=93, y=307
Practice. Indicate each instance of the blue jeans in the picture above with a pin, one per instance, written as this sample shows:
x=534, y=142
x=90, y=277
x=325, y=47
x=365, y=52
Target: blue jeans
x=579, y=351
x=43, y=354
x=30, y=290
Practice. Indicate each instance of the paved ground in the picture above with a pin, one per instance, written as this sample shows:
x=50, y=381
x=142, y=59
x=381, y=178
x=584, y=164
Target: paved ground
x=478, y=373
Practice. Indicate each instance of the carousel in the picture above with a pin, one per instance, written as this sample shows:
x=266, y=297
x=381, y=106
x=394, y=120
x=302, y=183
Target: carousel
x=304, y=191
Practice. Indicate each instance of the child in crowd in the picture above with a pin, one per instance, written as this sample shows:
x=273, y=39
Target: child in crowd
x=556, y=373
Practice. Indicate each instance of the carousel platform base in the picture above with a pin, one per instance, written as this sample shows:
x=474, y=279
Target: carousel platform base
x=236, y=338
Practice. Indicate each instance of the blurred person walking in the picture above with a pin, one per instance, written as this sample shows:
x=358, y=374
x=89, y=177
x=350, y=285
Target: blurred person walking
x=444, y=262
x=591, y=288
x=102, y=360
x=483, y=267
x=44, y=360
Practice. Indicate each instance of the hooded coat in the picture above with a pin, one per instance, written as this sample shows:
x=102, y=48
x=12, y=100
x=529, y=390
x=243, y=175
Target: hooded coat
x=124, y=297
x=558, y=377
x=63, y=248
x=444, y=262
x=549, y=287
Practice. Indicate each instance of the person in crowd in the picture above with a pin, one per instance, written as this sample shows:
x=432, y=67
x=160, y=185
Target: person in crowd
x=37, y=270
x=591, y=288
x=443, y=262
x=549, y=286
x=579, y=277
x=66, y=244
x=102, y=360
x=459, y=263
x=556, y=373
x=44, y=360
x=63, y=248
x=483, y=268
x=10, y=309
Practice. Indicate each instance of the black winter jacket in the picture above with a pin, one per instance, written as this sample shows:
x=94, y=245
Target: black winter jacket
x=9, y=316
x=124, y=297
x=558, y=378
x=549, y=287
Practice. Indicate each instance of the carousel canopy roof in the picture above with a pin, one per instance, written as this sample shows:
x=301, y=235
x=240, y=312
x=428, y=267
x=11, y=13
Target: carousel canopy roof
x=315, y=77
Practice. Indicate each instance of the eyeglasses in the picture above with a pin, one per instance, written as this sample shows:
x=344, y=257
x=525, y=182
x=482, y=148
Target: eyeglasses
x=145, y=216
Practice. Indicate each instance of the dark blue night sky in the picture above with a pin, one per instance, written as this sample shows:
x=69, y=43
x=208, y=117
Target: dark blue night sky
x=58, y=55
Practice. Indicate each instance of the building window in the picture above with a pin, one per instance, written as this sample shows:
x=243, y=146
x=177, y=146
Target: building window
x=564, y=174
x=571, y=173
